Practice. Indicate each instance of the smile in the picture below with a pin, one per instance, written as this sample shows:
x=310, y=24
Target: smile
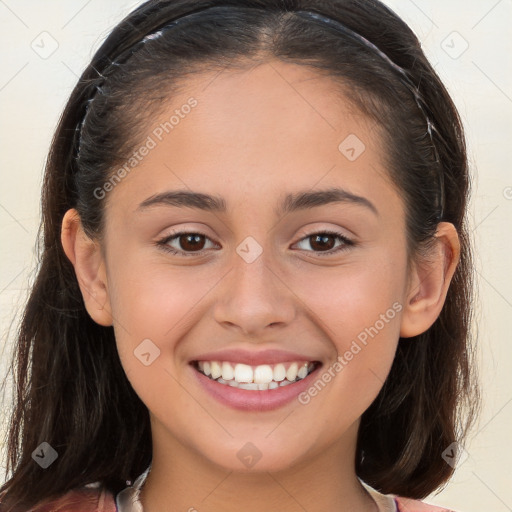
x=255, y=378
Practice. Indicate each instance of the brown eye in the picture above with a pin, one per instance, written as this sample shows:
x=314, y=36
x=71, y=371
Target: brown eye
x=324, y=242
x=184, y=243
x=191, y=242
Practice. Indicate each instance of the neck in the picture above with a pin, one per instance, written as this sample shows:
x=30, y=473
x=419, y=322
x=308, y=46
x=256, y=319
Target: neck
x=181, y=479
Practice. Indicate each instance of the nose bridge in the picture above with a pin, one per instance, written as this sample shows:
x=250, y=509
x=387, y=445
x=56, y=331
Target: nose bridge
x=254, y=294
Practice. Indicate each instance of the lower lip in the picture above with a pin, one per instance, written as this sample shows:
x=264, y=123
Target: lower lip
x=257, y=400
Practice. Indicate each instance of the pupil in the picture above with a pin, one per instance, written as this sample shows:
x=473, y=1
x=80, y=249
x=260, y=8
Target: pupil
x=322, y=239
x=192, y=244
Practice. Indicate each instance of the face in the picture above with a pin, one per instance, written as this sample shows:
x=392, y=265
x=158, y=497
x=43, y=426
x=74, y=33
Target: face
x=264, y=284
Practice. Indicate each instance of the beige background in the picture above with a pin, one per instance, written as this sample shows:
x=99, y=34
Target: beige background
x=33, y=91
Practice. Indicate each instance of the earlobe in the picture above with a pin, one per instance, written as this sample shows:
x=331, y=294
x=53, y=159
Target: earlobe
x=87, y=260
x=429, y=282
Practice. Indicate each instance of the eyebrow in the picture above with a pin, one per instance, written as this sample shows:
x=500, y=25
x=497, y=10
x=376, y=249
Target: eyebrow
x=297, y=201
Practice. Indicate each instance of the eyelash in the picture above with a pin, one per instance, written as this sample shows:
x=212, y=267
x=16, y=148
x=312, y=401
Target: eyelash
x=347, y=243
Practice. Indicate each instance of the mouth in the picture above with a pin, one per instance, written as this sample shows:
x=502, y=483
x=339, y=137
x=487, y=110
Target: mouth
x=262, y=377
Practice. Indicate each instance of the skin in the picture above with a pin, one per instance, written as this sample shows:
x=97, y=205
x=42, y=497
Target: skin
x=254, y=136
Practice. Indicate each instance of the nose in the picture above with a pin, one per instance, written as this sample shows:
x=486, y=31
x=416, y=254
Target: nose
x=254, y=297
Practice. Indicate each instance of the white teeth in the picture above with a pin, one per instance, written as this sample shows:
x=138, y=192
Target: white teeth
x=227, y=371
x=216, y=370
x=279, y=372
x=243, y=373
x=261, y=377
x=263, y=374
x=250, y=386
x=291, y=373
x=303, y=371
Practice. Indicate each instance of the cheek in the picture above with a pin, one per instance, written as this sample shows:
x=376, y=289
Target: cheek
x=153, y=300
x=152, y=305
x=359, y=309
x=348, y=299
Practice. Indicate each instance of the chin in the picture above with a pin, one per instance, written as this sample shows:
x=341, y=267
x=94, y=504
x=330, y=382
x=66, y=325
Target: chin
x=253, y=457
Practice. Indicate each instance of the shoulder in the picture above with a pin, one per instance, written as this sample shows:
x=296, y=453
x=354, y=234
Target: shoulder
x=394, y=503
x=84, y=499
x=409, y=505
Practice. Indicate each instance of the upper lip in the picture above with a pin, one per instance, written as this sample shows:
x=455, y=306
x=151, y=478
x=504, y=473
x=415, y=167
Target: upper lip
x=253, y=358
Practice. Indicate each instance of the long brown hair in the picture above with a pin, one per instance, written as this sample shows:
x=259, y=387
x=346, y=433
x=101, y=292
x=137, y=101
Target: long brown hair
x=70, y=388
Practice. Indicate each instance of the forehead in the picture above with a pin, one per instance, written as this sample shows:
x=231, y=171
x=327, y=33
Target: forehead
x=273, y=128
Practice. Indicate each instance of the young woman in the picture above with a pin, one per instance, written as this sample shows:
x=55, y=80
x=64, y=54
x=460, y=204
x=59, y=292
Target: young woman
x=255, y=289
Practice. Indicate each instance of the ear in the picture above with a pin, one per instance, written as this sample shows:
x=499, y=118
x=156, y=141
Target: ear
x=87, y=259
x=429, y=282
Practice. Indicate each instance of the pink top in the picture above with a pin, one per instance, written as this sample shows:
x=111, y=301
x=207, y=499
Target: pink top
x=94, y=499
